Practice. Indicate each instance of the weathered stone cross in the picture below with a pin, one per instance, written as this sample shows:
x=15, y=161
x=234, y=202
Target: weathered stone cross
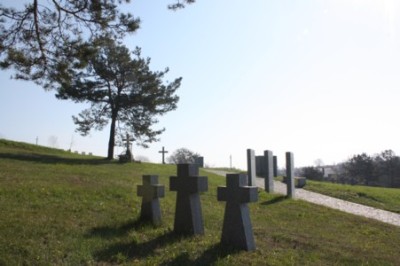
x=188, y=215
x=151, y=191
x=163, y=153
x=128, y=140
x=237, y=230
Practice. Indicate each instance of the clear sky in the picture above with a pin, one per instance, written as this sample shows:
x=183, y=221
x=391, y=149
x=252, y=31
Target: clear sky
x=320, y=78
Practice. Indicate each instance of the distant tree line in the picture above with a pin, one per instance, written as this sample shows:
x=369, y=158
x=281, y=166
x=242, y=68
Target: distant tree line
x=381, y=169
x=183, y=155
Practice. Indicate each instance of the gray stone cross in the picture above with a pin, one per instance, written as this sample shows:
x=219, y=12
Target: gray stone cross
x=237, y=229
x=163, y=151
x=150, y=192
x=188, y=184
x=128, y=140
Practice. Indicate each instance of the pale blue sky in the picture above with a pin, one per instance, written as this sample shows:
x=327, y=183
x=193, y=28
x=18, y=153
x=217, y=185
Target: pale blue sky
x=319, y=78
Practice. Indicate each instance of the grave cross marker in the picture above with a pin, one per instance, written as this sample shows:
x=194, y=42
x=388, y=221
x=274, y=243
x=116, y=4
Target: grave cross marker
x=187, y=183
x=237, y=229
x=163, y=153
x=128, y=140
x=150, y=192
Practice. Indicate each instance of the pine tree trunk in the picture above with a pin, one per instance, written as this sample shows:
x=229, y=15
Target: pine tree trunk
x=111, y=141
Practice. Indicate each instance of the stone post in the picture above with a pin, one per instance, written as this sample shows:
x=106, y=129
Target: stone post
x=275, y=166
x=290, y=174
x=269, y=172
x=251, y=167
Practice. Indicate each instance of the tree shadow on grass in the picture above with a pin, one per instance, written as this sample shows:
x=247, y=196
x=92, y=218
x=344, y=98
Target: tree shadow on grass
x=116, y=231
x=53, y=159
x=132, y=250
x=208, y=257
x=274, y=200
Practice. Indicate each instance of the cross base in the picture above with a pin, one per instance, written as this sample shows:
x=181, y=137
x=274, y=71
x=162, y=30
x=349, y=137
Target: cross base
x=237, y=230
x=188, y=216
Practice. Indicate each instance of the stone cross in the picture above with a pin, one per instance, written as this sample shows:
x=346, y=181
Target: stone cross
x=251, y=167
x=237, y=229
x=188, y=184
x=150, y=192
x=128, y=140
x=290, y=174
x=275, y=166
x=163, y=151
x=269, y=172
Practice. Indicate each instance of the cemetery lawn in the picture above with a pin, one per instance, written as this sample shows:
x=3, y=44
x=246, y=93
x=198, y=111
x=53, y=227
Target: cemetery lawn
x=382, y=198
x=61, y=208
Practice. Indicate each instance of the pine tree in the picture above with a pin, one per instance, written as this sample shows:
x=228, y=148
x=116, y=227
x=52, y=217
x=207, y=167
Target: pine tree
x=122, y=90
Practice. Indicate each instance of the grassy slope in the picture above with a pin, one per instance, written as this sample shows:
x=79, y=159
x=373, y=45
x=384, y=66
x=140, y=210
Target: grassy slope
x=60, y=208
x=382, y=198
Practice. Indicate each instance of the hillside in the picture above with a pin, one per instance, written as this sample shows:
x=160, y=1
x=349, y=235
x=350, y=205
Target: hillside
x=62, y=208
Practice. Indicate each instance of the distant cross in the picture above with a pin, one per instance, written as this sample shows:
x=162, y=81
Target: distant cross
x=150, y=192
x=163, y=151
x=188, y=215
x=128, y=140
x=237, y=230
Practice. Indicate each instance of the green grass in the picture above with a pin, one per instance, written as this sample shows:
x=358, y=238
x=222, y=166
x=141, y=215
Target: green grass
x=59, y=208
x=378, y=197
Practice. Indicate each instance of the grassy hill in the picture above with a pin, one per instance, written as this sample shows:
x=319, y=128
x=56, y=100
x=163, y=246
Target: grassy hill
x=61, y=208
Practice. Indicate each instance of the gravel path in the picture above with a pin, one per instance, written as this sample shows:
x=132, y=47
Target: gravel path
x=334, y=203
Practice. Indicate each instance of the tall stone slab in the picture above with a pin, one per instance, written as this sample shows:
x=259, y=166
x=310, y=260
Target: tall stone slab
x=269, y=171
x=251, y=167
x=188, y=184
x=275, y=158
x=260, y=166
x=290, y=174
x=150, y=192
x=237, y=230
x=199, y=161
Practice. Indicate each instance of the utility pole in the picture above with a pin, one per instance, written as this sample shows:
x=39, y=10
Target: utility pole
x=230, y=159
